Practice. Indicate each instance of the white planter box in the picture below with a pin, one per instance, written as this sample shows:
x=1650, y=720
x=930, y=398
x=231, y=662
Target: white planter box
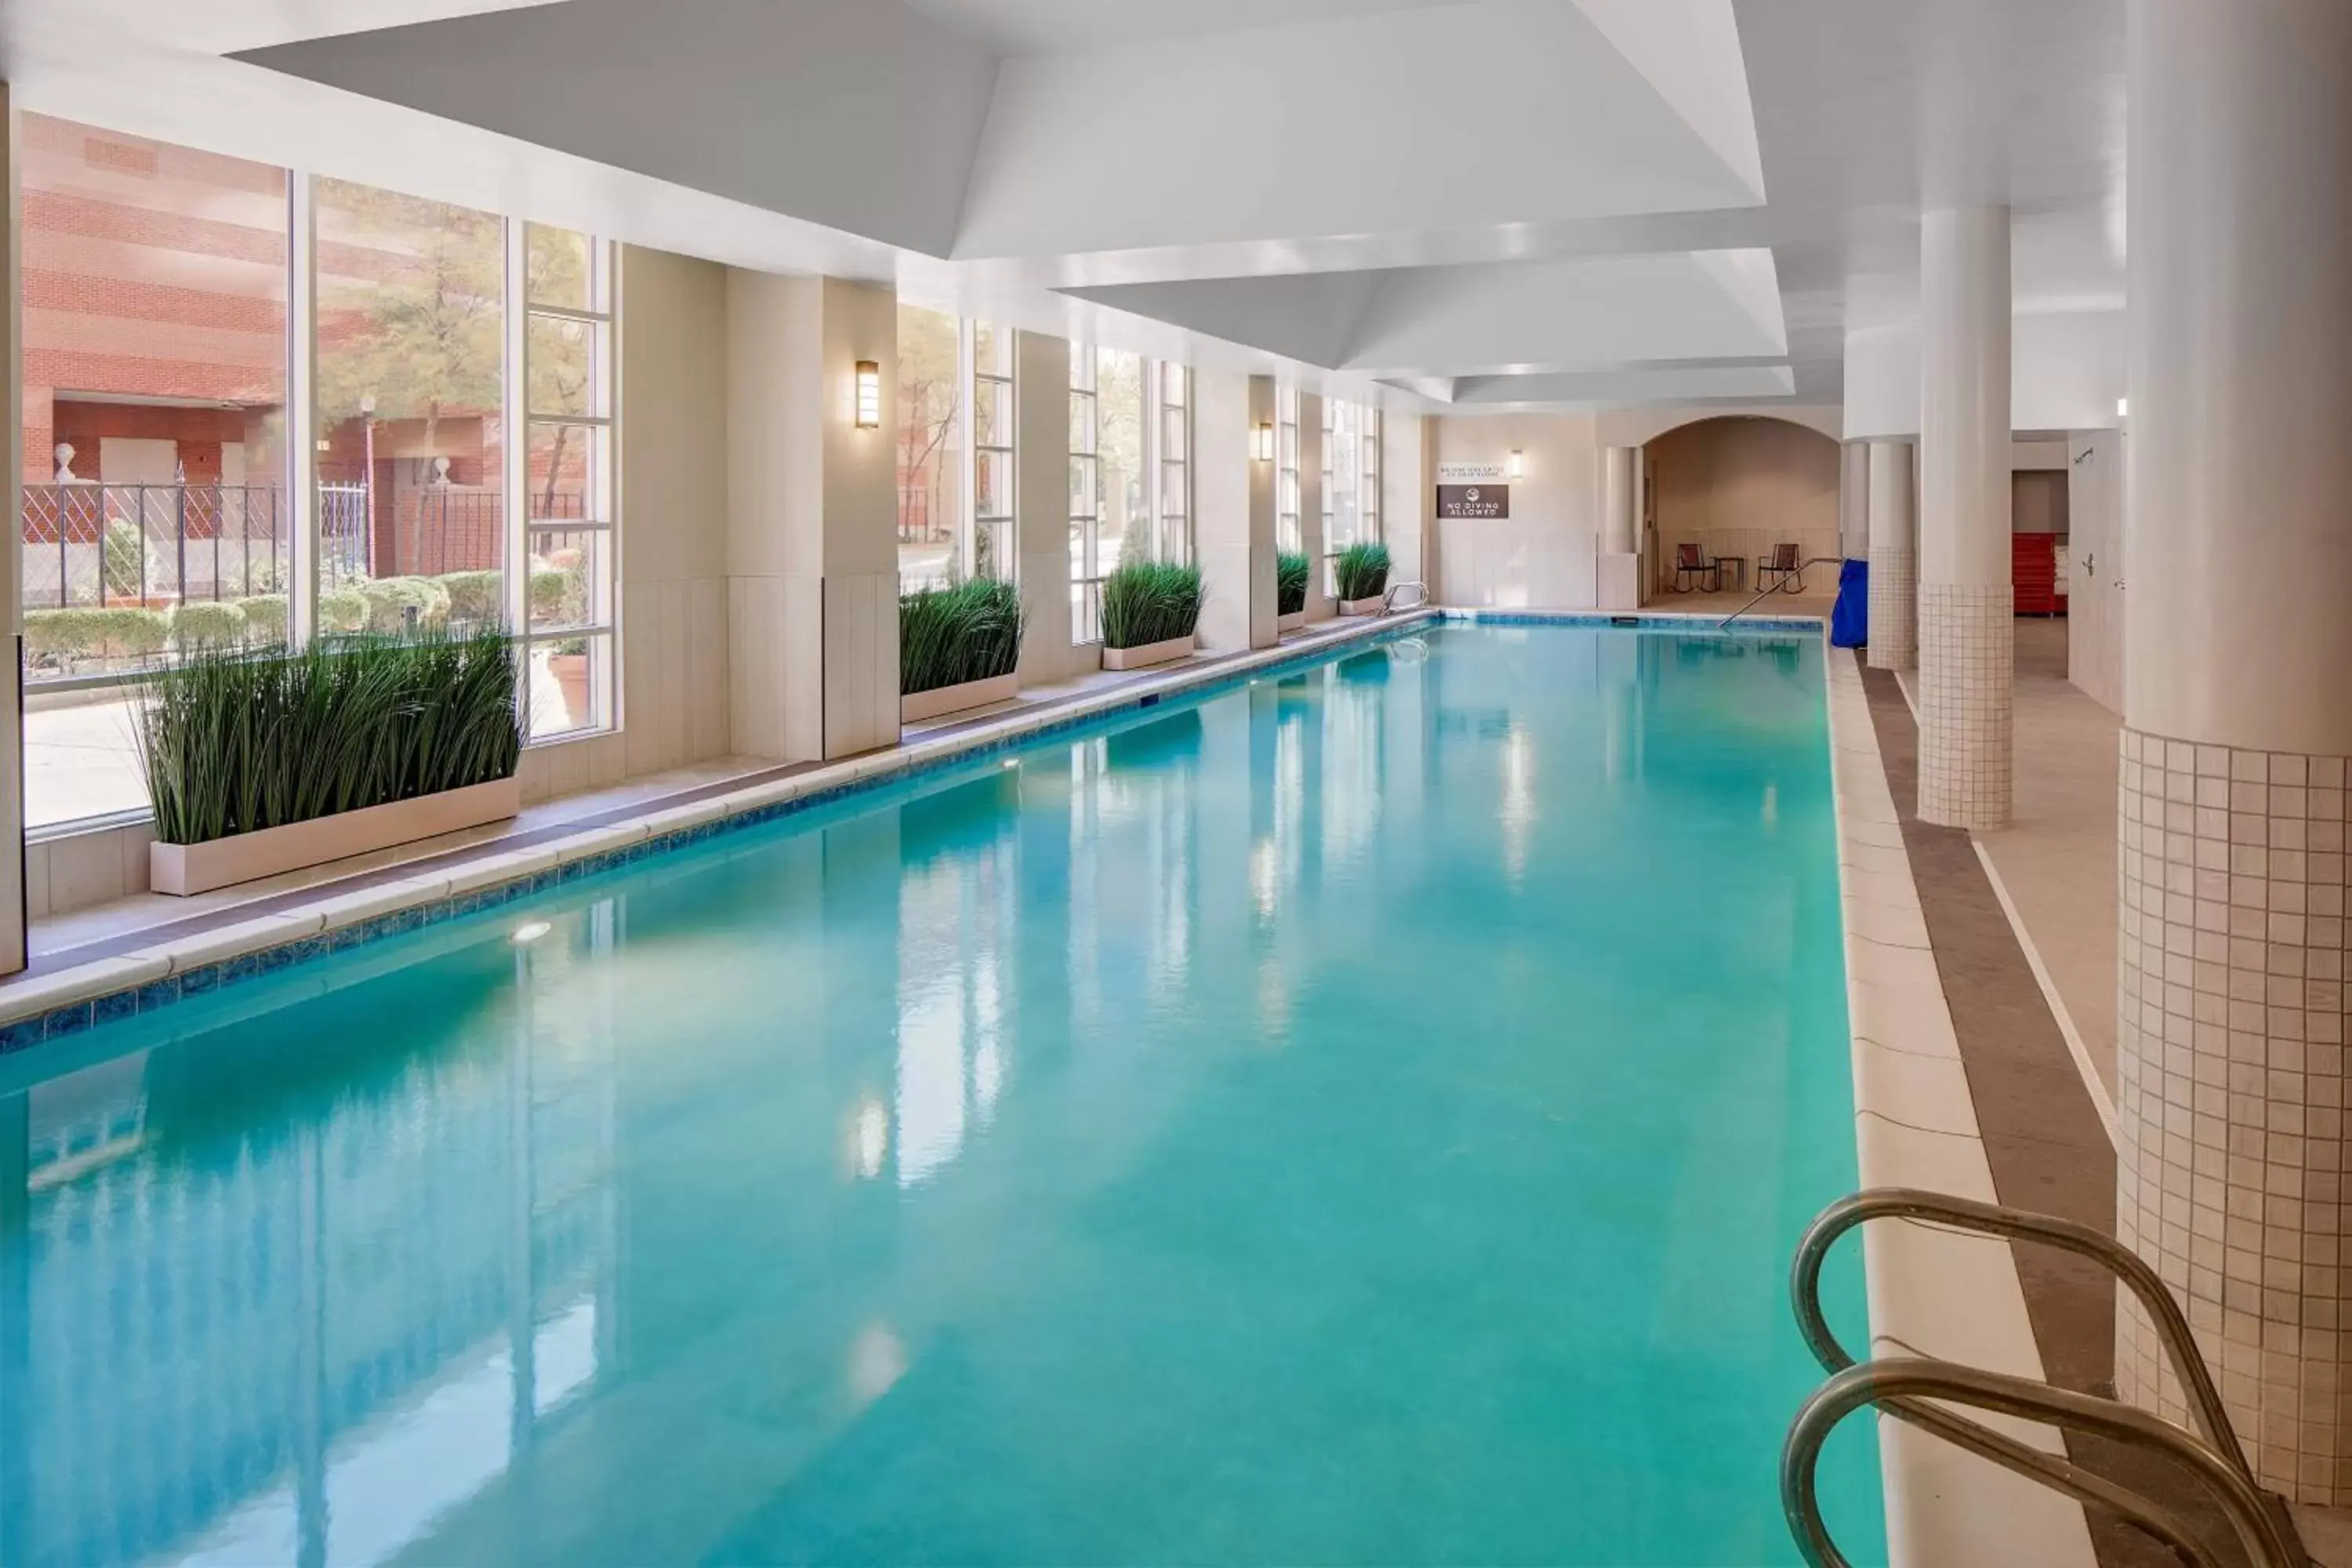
x=182, y=869
x=1362, y=607
x=941, y=699
x=1290, y=623
x=1150, y=653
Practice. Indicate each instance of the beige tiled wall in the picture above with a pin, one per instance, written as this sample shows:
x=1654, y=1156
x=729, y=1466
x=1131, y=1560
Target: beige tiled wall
x=1968, y=684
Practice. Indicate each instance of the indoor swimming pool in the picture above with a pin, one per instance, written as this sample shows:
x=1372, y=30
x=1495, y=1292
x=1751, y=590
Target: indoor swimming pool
x=1361, y=1116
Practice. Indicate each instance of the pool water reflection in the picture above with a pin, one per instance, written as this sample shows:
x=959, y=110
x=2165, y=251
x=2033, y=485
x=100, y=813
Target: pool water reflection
x=1363, y=1117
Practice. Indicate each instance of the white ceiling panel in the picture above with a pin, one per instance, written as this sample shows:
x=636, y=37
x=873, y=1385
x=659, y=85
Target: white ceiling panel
x=1047, y=26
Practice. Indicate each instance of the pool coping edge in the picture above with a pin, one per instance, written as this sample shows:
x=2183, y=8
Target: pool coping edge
x=1930, y=1291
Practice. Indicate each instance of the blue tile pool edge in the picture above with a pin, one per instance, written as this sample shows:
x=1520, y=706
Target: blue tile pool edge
x=913, y=761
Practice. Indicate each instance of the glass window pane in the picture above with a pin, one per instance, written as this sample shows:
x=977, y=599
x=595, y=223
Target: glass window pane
x=571, y=686
x=410, y=374
x=1083, y=431
x=994, y=474
x=992, y=413
x=570, y=580
x=152, y=339
x=1119, y=416
x=1082, y=367
x=930, y=446
x=992, y=349
x=1082, y=487
x=565, y=358
x=559, y=268
x=566, y=481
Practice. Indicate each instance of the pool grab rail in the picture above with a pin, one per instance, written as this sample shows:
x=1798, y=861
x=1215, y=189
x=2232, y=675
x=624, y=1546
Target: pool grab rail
x=1388, y=600
x=1781, y=586
x=1902, y=1386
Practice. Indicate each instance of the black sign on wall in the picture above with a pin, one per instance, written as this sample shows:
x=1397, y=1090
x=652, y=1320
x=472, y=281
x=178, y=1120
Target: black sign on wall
x=1473, y=502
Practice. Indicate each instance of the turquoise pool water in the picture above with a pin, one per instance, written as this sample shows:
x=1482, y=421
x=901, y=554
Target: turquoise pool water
x=1363, y=1118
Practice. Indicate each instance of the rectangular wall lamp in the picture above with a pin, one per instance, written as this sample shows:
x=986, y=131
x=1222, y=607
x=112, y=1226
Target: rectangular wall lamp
x=1518, y=465
x=1264, y=444
x=869, y=395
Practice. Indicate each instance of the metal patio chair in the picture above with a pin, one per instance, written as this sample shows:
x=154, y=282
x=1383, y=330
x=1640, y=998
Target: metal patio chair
x=1692, y=560
x=1781, y=570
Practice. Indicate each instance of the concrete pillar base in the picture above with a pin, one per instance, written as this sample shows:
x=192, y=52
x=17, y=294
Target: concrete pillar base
x=1620, y=581
x=1968, y=673
x=2230, y=1034
x=1894, y=606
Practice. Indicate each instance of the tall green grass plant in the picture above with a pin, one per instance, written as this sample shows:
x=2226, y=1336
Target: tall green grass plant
x=1147, y=602
x=948, y=637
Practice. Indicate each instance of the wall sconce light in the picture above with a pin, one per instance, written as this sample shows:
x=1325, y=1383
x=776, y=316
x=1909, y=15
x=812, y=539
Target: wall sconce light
x=869, y=395
x=1263, y=446
x=2123, y=407
x=1518, y=465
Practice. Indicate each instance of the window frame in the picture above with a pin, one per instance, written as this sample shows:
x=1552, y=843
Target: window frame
x=601, y=630
x=999, y=526
x=1086, y=524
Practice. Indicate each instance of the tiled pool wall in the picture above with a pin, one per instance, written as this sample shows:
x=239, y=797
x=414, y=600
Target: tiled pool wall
x=914, y=761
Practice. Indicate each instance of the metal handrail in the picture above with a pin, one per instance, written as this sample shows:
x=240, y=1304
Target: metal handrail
x=1781, y=586
x=1388, y=600
x=2218, y=1459
x=1901, y=1387
x=2016, y=1225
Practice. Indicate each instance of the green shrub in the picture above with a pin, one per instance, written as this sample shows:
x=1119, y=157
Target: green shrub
x=209, y=626
x=236, y=742
x=390, y=600
x=1291, y=572
x=476, y=598
x=1362, y=571
x=947, y=637
x=265, y=619
x=125, y=556
x=129, y=633
x=559, y=596
x=1146, y=602
x=63, y=635
x=343, y=611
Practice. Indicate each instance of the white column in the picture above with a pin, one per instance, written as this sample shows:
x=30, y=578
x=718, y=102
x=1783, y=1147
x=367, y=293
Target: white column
x=1854, y=502
x=2238, y=716
x=811, y=524
x=1405, y=481
x=12, y=616
x=1967, y=604
x=1894, y=557
x=1041, y=510
x=1620, y=573
x=1233, y=519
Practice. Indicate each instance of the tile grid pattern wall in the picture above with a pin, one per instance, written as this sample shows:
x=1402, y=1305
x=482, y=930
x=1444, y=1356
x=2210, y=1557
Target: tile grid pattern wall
x=2230, y=1074
x=1894, y=606
x=1968, y=659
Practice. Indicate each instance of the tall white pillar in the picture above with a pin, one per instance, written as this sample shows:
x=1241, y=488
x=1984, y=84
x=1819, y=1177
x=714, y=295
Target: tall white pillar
x=1854, y=502
x=812, y=518
x=1040, y=510
x=2231, y=1022
x=1233, y=522
x=1967, y=603
x=1894, y=557
x=1620, y=573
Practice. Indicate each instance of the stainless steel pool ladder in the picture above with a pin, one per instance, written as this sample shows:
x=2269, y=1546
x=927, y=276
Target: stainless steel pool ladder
x=1388, y=600
x=1904, y=1386
x=1782, y=585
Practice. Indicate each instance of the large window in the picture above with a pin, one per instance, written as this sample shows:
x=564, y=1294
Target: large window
x=156, y=286
x=160, y=513
x=1174, y=456
x=1287, y=535
x=1352, y=478
x=992, y=439
x=1130, y=471
x=931, y=455
x=566, y=596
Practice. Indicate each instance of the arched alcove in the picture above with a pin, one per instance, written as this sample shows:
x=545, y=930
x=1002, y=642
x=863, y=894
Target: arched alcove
x=1739, y=485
